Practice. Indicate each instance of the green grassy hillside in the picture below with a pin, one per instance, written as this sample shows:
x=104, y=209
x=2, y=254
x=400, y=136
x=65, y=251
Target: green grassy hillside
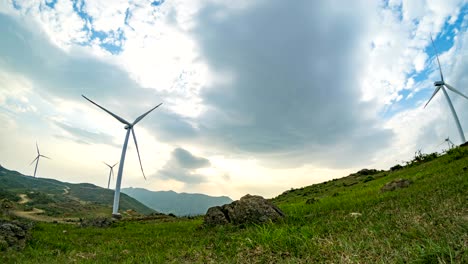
x=348, y=220
x=63, y=199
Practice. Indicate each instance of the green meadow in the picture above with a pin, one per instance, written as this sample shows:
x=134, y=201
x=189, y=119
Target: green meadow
x=347, y=220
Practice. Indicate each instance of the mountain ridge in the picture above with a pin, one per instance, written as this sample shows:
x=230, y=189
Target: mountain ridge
x=180, y=204
x=63, y=198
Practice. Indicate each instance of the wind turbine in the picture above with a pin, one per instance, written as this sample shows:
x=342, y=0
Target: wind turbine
x=37, y=159
x=441, y=85
x=111, y=173
x=129, y=127
x=449, y=143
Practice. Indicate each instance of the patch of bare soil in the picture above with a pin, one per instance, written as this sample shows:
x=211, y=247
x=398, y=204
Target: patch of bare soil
x=36, y=215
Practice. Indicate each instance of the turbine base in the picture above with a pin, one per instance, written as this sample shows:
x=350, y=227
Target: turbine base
x=117, y=216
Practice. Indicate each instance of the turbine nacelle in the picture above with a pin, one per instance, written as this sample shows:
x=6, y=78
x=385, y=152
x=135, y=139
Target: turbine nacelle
x=439, y=83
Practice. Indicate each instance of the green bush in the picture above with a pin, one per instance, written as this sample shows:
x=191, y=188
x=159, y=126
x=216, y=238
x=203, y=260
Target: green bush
x=457, y=153
x=368, y=179
x=420, y=157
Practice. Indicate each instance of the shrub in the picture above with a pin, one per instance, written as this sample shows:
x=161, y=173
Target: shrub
x=367, y=172
x=457, y=153
x=368, y=179
x=420, y=157
x=312, y=200
x=396, y=167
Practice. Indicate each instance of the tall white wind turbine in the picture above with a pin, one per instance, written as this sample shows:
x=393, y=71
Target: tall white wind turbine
x=111, y=173
x=129, y=127
x=37, y=159
x=441, y=85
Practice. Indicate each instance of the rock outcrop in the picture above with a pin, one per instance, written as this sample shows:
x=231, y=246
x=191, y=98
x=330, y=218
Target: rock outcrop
x=97, y=222
x=249, y=209
x=396, y=184
x=13, y=234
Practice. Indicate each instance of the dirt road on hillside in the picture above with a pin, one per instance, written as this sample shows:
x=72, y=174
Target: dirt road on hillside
x=24, y=198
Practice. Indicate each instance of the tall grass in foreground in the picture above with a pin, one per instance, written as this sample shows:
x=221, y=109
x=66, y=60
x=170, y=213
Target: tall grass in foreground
x=424, y=223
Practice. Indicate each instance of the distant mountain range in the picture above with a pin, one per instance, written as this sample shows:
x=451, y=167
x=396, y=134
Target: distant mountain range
x=58, y=198
x=179, y=204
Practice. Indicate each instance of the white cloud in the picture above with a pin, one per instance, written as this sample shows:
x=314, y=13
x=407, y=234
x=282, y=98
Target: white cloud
x=420, y=61
x=107, y=15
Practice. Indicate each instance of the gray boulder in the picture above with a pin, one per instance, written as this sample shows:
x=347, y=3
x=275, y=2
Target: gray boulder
x=216, y=216
x=396, y=184
x=97, y=222
x=13, y=234
x=249, y=209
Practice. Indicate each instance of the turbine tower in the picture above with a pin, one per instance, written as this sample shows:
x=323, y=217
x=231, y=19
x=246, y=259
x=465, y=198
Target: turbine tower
x=37, y=159
x=441, y=85
x=129, y=127
x=111, y=173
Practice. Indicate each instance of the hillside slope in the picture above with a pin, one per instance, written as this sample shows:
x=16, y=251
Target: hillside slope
x=58, y=198
x=348, y=220
x=180, y=204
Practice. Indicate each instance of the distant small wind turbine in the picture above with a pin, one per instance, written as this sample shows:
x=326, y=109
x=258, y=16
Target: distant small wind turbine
x=449, y=143
x=441, y=85
x=111, y=173
x=37, y=159
x=129, y=127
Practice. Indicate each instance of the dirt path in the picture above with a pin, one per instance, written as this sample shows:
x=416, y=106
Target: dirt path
x=35, y=214
x=66, y=190
x=24, y=199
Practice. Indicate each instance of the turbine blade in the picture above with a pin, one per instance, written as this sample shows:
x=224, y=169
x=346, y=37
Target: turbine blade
x=114, y=165
x=37, y=148
x=33, y=161
x=138, y=152
x=438, y=62
x=107, y=111
x=45, y=156
x=107, y=164
x=112, y=173
x=455, y=90
x=435, y=92
x=143, y=115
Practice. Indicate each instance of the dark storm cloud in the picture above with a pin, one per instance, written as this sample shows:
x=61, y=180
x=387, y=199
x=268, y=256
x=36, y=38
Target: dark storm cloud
x=295, y=92
x=186, y=160
x=181, y=167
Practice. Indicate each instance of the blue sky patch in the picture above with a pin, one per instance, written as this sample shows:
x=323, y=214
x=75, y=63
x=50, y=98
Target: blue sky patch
x=51, y=3
x=157, y=3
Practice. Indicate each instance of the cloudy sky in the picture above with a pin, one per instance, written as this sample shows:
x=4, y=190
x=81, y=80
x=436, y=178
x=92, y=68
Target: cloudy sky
x=258, y=96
